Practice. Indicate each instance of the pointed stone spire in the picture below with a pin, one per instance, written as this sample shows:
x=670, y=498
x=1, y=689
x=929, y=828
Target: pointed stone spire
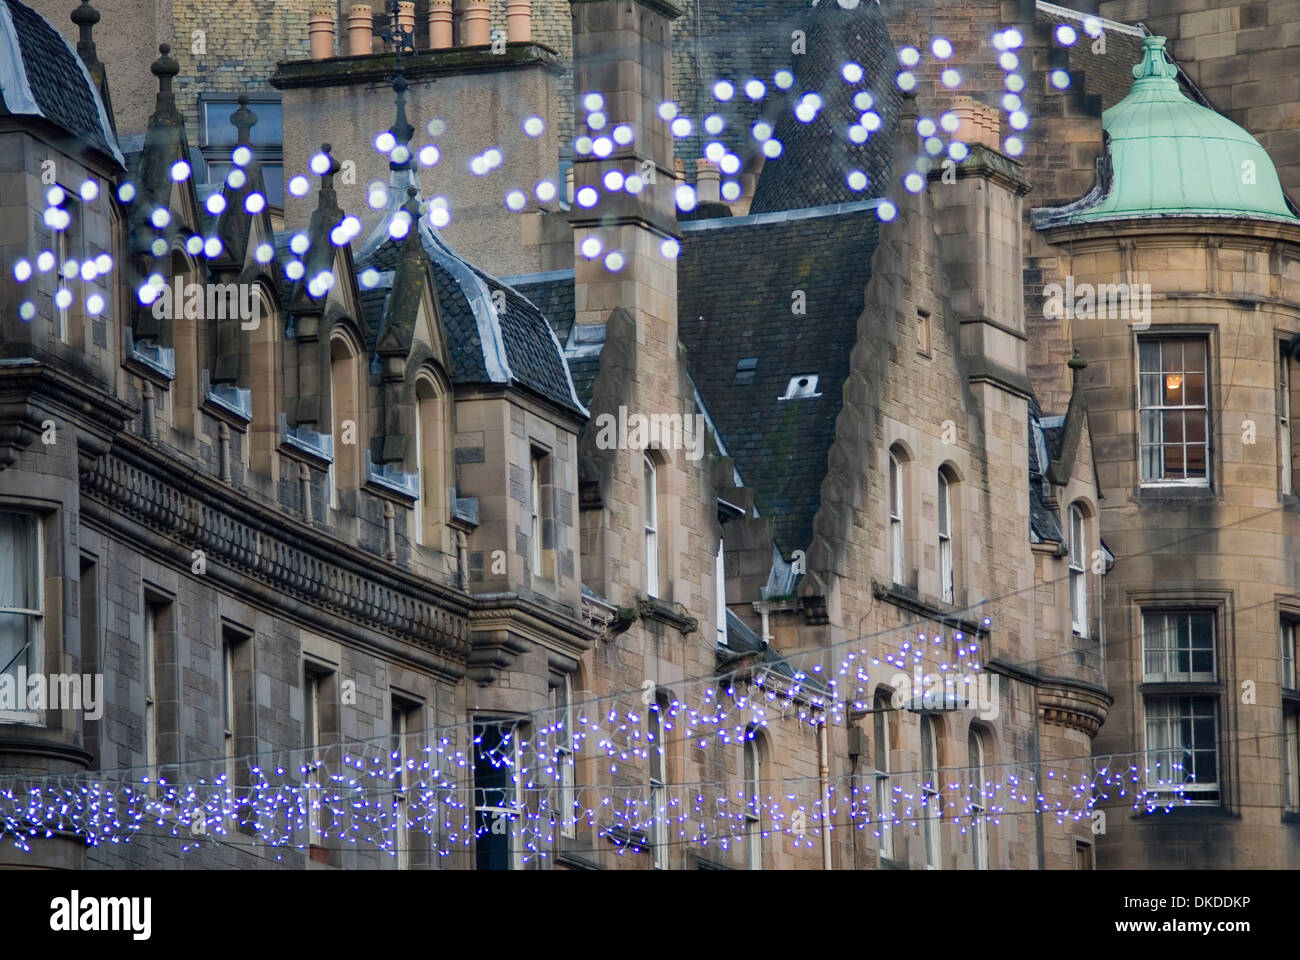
x=243, y=121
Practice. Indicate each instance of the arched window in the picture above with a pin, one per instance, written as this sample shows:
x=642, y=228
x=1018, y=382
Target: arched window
x=979, y=824
x=650, y=502
x=656, y=732
x=1078, y=571
x=946, y=581
x=753, y=761
x=932, y=801
x=884, y=807
x=430, y=461
x=345, y=416
x=897, y=538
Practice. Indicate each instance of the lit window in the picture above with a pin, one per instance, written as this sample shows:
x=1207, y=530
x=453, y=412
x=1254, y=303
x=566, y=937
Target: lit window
x=1078, y=573
x=21, y=597
x=1173, y=441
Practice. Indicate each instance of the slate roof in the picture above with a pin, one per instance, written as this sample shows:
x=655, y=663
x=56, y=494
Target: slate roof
x=1044, y=446
x=818, y=155
x=553, y=294
x=727, y=314
x=515, y=344
x=41, y=75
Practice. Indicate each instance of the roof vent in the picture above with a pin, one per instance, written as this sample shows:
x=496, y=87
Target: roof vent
x=745, y=370
x=803, y=387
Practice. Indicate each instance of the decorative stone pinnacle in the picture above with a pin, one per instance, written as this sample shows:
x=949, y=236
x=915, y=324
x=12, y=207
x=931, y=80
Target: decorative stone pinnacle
x=164, y=68
x=85, y=17
x=1154, y=63
x=244, y=120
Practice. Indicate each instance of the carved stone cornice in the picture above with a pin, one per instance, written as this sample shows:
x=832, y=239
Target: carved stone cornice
x=264, y=554
x=32, y=391
x=1077, y=706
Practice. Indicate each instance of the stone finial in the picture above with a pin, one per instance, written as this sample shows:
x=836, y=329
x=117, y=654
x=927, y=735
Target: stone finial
x=1154, y=63
x=85, y=17
x=164, y=68
x=243, y=120
x=327, y=178
x=1077, y=364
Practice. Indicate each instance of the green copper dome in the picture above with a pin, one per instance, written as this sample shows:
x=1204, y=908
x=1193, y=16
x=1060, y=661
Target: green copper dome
x=1170, y=156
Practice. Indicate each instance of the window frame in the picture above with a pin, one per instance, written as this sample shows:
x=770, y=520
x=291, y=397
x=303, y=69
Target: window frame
x=1161, y=408
x=312, y=733
x=1169, y=652
x=881, y=735
x=1288, y=674
x=264, y=154
x=947, y=577
x=1286, y=439
x=657, y=768
x=978, y=803
x=933, y=797
x=897, y=522
x=33, y=617
x=720, y=592
x=1189, y=791
x=1078, y=563
x=752, y=761
x=650, y=517
x=565, y=764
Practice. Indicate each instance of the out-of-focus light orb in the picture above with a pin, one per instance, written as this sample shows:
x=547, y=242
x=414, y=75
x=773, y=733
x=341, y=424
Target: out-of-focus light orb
x=89, y=190
x=858, y=133
x=613, y=180
x=299, y=243
x=516, y=200
x=713, y=124
x=126, y=192
x=784, y=79
x=89, y=271
x=906, y=81
x=670, y=248
x=242, y=156
x=1066, y=34
x=1014, y=146
x=587, y=197
x=146, y=293
x=27, y=311
x=941, y=48
x=805, y=112
x=958, y=151
x=479, y=167
x=212, y=247
x=729, y=164
x=933, y=146
x=436, y=127
x=55, y=196
x=160, y=217
x=772, y=148
x=723, y=90
x=909, y=56
x=667, y=110
x=925, y=127
x=544, y=191
x=534, y=126
x=590, y=247
x=369, y=277
x=236, y=179
x=634, y=184
x=682, y=127
x=593, y=101
x=299, y=185
x=862, y=100
x=400, y=225
x=351, y=224
x=376, y=196
x=339, y=236
x=761, y=131
x=714, y=151
x=582, y=145
x=1008, y=61
x=596, y=120
x=57, y=219
x=493, y=157
x=914, y=182
x=159, y=246
x=22, y=270
x=886, y=211
x=857, y=181
x=685, y=196
x=264, y=253
x=63, y=298
x=1015, y=82
x=71, y=268
x=602, y=146
x=1060, y=79
x=1013, y=38
x=755, y=89
x=45, y=261
x=384, y=143
x=949, y=121
x=1010, y=101
x=622, y=134
x=851, y=72
x=951, y=78
x=401, y=153
x=731, y=191
x=1092, y=26
x=429, y=155
x=104, y=263
x=848, y=4
x=255, y=203
x=439, y=212
x=870, y=120
x=614, y=261
x=94, y=304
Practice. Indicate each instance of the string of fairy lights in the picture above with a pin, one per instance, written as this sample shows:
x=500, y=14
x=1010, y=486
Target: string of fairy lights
x=371, y=794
